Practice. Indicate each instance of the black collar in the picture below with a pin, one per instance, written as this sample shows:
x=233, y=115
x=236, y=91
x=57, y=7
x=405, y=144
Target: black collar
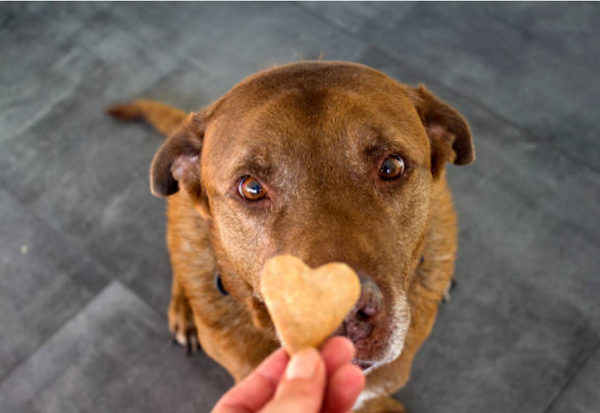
x=219, y=285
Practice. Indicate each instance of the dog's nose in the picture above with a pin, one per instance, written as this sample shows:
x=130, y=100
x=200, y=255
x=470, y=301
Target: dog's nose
x=359, y=322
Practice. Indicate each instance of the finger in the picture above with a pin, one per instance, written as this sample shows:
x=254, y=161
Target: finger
x=303, y=386
x=252, y=393
x=343, y=388
x=336, y=352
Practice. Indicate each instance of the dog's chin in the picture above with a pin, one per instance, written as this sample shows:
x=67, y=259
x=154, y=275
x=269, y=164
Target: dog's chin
x=365, y=366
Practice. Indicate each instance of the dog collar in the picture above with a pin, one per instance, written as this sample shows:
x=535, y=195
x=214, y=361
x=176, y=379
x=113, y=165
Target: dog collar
x=219, y=285
x=225, y=293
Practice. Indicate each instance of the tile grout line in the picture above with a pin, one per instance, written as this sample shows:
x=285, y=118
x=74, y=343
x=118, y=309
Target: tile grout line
x=100, y=266
x=570, y=380
x=142, y=42
x=26, y=126
x=42, y=112
x=82, y=308
x=93, y=261
x=55, y=332
x=341, y=28
x=72, y=242
x=533, y=137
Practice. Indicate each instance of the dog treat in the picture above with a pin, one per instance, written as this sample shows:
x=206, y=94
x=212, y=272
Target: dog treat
x=307, y=305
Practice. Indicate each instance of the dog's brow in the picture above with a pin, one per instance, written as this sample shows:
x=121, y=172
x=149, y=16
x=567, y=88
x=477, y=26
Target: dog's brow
x=374, y=151
x=254, y=163
x=377, y=145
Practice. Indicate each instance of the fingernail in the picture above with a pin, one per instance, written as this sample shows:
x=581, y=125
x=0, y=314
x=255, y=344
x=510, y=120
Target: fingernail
x=302, y=365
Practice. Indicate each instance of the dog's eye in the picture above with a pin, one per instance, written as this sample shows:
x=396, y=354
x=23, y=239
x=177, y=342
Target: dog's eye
x=391, y=168
x=250, y=189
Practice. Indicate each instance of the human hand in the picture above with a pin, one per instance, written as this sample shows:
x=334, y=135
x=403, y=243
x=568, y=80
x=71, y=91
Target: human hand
x=311, y=382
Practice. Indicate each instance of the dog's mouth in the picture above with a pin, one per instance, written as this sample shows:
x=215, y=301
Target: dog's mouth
x=363, y=364
x=370, y=354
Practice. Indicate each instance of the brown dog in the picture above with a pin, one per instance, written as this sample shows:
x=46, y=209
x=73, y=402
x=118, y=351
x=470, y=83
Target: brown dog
x=328, y=161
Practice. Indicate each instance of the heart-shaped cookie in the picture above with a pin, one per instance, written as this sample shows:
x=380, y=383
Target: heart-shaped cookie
x=307, y=305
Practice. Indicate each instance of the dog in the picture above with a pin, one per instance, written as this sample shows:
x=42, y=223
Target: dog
x=327, y=161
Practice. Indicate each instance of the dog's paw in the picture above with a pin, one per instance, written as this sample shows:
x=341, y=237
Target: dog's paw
x=181, y=324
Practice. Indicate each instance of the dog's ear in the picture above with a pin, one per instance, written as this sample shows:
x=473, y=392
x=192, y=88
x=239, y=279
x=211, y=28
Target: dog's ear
x=176, y=165
x=449, y=133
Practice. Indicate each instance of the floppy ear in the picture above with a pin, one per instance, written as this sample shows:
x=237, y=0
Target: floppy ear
x=449, y=133
x=177, y=162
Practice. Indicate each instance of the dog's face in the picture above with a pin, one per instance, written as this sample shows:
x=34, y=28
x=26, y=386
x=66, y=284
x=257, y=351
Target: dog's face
x=327, y=162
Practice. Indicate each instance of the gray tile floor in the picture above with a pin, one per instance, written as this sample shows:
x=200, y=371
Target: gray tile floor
x=84, y=274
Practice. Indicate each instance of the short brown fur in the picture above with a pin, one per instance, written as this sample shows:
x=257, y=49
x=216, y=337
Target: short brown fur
x=314, y=133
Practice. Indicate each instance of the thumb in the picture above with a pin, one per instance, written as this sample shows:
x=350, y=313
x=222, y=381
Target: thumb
x=303, y=386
